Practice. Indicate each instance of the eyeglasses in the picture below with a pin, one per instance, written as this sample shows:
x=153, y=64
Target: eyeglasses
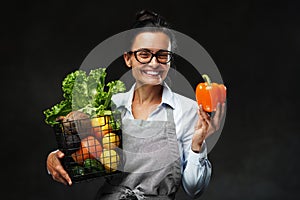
x=145, y=56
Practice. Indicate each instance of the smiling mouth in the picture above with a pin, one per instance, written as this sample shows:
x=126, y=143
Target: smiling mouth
x=152, y=73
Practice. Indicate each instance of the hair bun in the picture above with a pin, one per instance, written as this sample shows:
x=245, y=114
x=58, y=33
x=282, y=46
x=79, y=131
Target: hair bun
x=148, y=18
x=146, y=15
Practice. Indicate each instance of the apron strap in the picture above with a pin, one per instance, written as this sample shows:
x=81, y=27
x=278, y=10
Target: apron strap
x=170, y=117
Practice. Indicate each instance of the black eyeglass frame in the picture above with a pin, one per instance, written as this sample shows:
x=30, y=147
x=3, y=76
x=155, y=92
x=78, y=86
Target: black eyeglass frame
x=152, y=55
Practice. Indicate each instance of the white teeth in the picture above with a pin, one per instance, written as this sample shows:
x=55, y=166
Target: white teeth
x=152, y=72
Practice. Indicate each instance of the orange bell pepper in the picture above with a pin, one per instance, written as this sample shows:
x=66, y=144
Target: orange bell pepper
x=209, y=94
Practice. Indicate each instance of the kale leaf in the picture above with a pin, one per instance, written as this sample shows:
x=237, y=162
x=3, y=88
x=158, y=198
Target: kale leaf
x=85, y=92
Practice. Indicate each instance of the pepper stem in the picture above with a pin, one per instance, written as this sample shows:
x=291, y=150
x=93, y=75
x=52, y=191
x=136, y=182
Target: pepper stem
x=206, y=79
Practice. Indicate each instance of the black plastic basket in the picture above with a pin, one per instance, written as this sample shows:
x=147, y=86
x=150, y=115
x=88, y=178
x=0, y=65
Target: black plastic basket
x=92, y=147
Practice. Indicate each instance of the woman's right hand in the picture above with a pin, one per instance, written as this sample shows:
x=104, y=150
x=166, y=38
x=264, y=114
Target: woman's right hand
x=56, y=169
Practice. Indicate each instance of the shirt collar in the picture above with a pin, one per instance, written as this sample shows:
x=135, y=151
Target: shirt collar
x=167, y=96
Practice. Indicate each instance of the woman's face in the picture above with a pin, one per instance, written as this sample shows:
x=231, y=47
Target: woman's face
x=152, y=73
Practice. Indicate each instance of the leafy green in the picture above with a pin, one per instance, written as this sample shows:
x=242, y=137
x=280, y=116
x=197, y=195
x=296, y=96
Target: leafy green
x=77, y=171
x=61, y=109
x=93, y=165
x=87, y=93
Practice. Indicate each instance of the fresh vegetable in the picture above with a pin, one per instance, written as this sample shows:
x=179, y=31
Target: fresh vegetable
x=101, y=126
x=110, y=141
x=77, y=171
x=77, y=122
x=86, y=93
x=209, y=94
x=65, y=106
x=90, y=148
x=110, y=159
x=93, y=165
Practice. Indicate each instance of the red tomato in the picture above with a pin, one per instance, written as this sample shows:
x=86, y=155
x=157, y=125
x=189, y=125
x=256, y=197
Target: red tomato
x=90, y=148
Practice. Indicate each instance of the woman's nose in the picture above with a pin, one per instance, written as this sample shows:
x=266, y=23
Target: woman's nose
x=154, y=62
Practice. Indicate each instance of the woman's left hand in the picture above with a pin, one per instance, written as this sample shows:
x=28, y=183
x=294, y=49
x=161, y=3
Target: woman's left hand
x=206, y=126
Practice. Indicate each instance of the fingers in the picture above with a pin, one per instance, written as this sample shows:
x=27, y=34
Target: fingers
x=200, y=130
x=210, y=124
x=56, y=169
x=199, y=122
x=61, y=175
x=204, y=119
x=65, y=176
x=60, y=154
x=203, y=115
x=217, y=116
x=223, y=110
x=220, y=110
x=219, y=113
x=57, y=177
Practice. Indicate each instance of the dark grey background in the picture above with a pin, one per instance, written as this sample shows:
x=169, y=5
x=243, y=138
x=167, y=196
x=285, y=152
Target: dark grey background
x=255, y=45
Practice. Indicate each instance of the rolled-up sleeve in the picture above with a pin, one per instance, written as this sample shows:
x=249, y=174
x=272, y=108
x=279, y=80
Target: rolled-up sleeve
x=196, y=173
x=196, y=168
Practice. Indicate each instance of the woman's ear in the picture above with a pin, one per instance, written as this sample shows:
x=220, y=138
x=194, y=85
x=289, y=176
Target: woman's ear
x=127, y=59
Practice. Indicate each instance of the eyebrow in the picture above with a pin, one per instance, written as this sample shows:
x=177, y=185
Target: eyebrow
x=145, y=49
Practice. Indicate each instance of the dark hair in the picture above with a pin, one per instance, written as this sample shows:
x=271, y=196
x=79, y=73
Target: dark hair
x=150, y=21
x=147, y=18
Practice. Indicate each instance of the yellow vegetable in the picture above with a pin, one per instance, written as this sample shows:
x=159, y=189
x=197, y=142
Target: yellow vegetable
x=101, y=126
x=110, y=159
x=110, y=141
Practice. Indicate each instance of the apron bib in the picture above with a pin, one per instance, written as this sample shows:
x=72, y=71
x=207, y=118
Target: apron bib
x=152, y=165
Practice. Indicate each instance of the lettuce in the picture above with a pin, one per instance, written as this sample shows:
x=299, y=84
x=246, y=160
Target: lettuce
x=85, y=92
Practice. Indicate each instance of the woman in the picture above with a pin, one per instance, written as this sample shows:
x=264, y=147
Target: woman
x=163, y=132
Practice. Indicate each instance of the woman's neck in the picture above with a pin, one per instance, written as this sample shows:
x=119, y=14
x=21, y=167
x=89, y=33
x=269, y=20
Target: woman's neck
x=148, y=94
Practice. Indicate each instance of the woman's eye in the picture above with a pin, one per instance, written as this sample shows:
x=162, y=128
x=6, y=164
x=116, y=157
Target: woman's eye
x=144, y=54
x=163, y=56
